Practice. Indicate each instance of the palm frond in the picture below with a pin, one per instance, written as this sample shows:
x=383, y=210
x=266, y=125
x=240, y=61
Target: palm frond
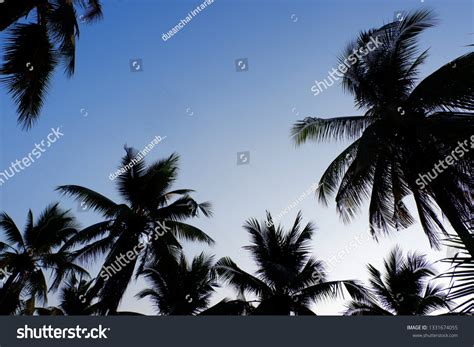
x=239, y=279
x=29, y=62
x=12, y=233
x=321, y=129
x=91, y=198
x=62, y=22
x=449, y=88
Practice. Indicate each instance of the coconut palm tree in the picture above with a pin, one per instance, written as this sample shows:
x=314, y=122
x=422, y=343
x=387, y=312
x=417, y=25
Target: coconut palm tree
x=287, y=279
x=12, y=11
x=35, y=48
x=403, y=289
x=180, y=288
x=461, y=276
x=74, y=300
x=27, y=256
x=401, y=143
x=148, y=224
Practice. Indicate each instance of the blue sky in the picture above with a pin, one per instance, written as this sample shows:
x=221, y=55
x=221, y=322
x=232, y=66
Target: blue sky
x=288, y=44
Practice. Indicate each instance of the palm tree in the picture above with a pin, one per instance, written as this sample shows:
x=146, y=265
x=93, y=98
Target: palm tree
x=461, y=276
x=12, y=11
x=132, y=226
x=402, y=290
x=288, y=279
x=74, y=300
x=28, y=255
x=180, y=288
x=407, y=130
x=34, y=49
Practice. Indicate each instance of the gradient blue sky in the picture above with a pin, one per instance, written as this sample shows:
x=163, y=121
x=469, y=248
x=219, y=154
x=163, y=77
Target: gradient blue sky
x=232, y=111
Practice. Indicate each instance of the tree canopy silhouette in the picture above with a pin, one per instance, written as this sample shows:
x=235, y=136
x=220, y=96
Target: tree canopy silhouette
x=288, y=278
x=27, y=255
x=403, y=289
x=408, y=128
x=34, y=48
x=150, y=209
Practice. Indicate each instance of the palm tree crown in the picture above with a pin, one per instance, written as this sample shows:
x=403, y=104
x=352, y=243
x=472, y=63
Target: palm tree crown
x=149, y=205
x=402, y=290
x=180, y=288
x=288, y=279
x=34, y=49
x=407, y=130
x=73, y=298
x=29, y=254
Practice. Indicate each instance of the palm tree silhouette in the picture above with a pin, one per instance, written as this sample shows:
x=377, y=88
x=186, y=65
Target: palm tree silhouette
x=33, y=50
x=26, y=256
x=288, y=279
x=74, y=300
x=180, y=288
x=461, y=276
x=149, y=205
x=402, y=290
x=407, y=130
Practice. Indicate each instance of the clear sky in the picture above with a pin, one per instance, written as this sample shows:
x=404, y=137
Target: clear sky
x=190, y=92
